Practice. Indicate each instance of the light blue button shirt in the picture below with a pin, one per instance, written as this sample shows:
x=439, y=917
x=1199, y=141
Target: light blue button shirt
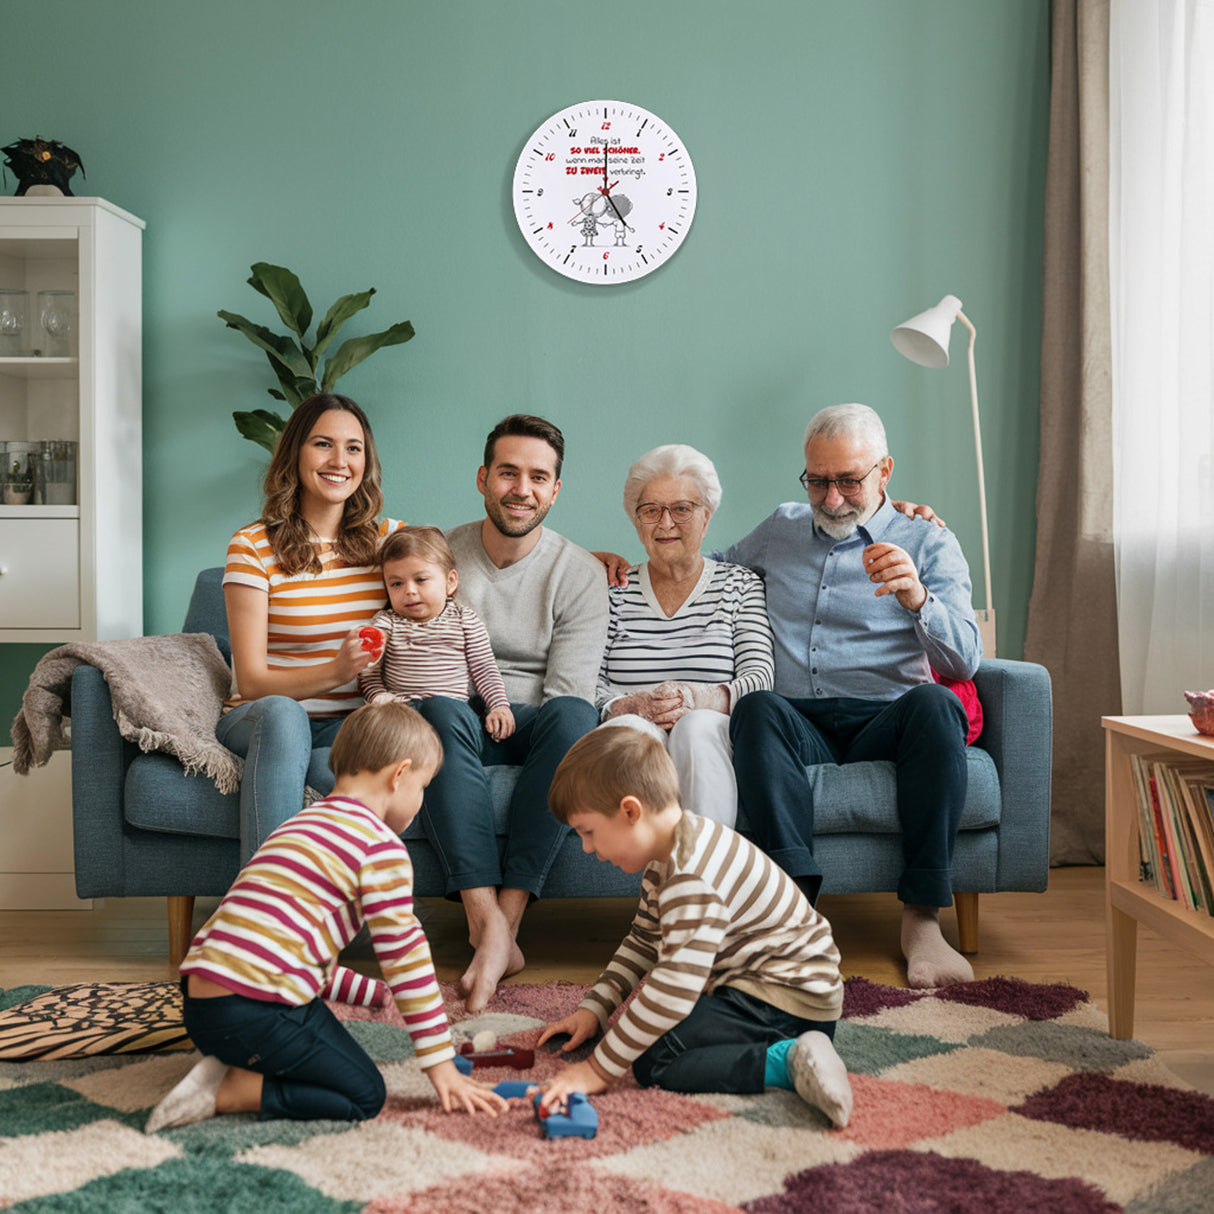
x=833, y=635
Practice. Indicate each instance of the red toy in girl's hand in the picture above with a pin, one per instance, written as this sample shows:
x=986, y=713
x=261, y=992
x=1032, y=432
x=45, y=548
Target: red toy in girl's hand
x=372, y=639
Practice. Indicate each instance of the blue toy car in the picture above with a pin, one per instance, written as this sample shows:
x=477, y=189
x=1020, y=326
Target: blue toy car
x=579, y=1120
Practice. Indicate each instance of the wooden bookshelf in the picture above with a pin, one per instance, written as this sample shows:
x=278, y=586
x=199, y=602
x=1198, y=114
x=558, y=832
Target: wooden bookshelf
x=1128, y=900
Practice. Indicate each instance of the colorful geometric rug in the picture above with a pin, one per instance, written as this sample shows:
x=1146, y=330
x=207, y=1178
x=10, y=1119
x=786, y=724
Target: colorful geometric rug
x=988, y=1097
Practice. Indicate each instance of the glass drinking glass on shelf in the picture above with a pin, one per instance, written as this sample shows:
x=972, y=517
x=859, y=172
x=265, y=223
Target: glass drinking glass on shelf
x=14, y=315
x=19, y=472
x=57, y=319
x=58, y=472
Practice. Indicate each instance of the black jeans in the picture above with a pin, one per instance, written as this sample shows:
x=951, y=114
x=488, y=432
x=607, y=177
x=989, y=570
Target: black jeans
x=721, y=1045
x=313, y=1068
x=922, y=732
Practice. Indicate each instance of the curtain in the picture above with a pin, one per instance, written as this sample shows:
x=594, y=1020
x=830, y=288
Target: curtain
x=1161, y=250
x=1072, y=625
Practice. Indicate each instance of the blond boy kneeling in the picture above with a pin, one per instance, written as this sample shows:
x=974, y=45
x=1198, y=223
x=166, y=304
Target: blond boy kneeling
x=743, y=989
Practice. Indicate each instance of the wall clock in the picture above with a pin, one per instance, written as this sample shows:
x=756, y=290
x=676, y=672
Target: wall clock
x=604, y=192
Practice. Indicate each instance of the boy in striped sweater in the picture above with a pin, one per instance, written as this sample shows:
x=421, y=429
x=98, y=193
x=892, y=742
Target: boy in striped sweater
x=257, y=973
x=743, y=987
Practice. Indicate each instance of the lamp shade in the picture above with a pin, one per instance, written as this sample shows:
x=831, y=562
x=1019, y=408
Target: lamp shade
x=924, y=338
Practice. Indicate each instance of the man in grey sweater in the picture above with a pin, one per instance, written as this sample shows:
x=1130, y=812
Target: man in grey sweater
x=544, y=602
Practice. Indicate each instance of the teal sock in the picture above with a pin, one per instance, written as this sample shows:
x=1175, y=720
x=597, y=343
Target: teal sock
x=776, y=1073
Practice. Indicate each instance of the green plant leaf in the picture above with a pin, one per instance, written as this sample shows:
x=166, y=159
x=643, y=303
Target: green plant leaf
x=295, y=389
x=260, y=426
x=351, y=353
x=279, y=347
x=284, y=291
x=337, y=316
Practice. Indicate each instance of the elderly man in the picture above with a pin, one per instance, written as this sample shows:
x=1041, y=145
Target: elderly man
x=864, y=603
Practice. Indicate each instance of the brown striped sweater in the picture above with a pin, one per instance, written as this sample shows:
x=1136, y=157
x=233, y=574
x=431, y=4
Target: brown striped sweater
x=716, y=912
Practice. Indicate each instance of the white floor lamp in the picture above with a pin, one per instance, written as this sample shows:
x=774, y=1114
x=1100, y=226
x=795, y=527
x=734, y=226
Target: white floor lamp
x=924, y=340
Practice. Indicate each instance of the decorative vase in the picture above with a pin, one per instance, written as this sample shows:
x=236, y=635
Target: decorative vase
x=17, y=497
x=1201, y=710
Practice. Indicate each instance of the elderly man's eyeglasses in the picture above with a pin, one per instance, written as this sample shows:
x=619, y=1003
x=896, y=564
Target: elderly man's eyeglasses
x=847, y=485
x=681, y=513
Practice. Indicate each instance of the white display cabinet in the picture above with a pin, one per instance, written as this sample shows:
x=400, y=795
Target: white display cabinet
x=71, y=558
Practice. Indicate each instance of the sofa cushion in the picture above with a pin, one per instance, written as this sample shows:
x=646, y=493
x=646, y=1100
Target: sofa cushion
x=158, y=795
x=857, y=798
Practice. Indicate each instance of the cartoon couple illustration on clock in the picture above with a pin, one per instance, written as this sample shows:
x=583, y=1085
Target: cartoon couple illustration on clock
x=598, y=210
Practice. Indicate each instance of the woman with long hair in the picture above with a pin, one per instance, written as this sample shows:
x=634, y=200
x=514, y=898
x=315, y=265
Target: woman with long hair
x=298, y=585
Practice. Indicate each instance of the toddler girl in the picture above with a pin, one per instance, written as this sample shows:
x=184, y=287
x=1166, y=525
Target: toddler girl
x=432, y=644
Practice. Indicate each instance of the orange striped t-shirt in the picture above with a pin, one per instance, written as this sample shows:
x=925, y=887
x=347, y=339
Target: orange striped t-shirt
x=310, y=613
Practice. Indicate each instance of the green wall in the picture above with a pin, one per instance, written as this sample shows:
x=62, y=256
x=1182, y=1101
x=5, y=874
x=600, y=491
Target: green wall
x=855, y=163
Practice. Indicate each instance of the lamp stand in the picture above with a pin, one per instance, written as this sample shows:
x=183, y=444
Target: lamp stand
x=986, y=619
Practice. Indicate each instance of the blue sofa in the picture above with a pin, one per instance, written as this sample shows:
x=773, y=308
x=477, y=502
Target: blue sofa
x=142, y=827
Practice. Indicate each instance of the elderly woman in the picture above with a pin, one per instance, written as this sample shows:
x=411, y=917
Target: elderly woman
x=687, y=636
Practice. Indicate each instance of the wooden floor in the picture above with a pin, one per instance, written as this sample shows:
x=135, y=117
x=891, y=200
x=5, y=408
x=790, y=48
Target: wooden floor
x=1057, y=936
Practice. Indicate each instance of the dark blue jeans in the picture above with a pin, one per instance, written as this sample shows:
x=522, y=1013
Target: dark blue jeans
x=457, y=813
x=721, y=1045
x=313, y=1068
x=922, y=732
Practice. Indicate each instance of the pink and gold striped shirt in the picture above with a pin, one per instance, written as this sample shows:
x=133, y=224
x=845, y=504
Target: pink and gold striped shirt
x=304, y=895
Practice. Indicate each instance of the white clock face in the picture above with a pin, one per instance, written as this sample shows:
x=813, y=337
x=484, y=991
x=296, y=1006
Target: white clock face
x=604, y=192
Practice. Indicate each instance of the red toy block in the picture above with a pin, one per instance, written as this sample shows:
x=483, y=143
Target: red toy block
x=506, y=1055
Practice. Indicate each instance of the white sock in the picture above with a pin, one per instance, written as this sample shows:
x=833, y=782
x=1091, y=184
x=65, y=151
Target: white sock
x=819, y=1076
x=930, y=960
x=193, y=1099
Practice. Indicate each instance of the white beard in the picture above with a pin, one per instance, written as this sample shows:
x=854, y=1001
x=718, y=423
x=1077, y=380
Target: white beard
x=837, y=528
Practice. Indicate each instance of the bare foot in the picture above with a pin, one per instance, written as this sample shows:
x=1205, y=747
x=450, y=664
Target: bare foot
x=497, y=956
x=930, y=960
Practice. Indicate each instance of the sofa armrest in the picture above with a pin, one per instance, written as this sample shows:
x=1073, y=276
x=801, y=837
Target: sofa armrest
x=1017, y=732
x=100, y=757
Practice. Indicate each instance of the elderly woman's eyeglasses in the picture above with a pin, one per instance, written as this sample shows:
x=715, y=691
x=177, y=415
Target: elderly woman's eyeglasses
x=681, y=513
x=847, y=485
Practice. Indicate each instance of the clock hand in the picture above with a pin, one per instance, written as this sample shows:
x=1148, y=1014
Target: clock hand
x=606, y=192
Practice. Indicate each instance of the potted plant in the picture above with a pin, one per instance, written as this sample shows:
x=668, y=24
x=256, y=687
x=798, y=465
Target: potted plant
x=294, y=361
x=18, y=484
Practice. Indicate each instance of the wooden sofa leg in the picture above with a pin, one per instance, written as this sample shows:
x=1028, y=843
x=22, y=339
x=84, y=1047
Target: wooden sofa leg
x=181, y=919
x=967, y=921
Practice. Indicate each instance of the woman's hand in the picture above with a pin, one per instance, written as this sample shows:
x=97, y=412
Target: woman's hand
x=499, y=723
x=663, y=710
x=353, y=657
x=456, y=1091
x=581, y=1024
x=615, y=565
x=697, y=696
x=918, y=510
